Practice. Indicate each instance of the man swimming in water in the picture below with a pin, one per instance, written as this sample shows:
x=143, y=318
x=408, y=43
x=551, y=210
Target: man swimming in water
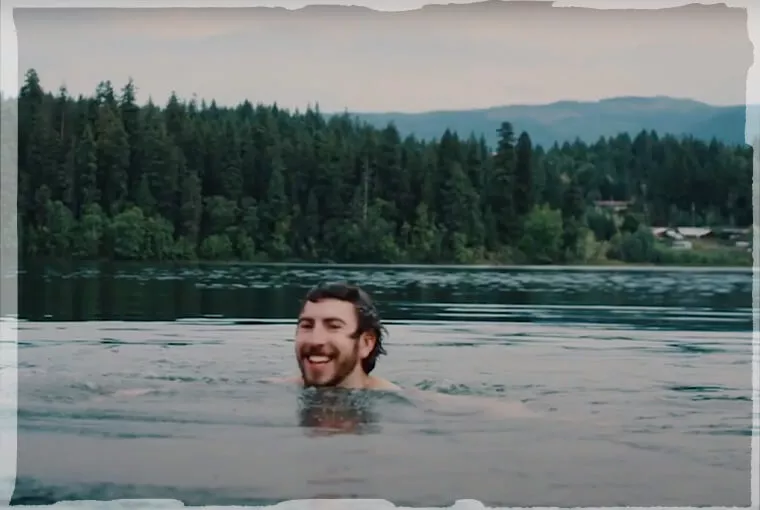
x=339, y=337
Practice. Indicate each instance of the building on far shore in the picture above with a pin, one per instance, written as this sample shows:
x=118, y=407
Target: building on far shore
x=682, y=237
x=617, y=206
x=675, y=238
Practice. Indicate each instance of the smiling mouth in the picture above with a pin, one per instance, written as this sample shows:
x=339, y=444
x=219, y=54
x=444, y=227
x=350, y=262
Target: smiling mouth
x=318, y=360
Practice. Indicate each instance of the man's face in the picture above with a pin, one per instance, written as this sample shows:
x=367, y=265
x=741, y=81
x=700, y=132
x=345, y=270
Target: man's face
x=327, y=354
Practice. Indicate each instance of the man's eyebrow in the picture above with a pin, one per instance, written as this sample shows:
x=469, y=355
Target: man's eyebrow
x=326, y=318
x=323, y=319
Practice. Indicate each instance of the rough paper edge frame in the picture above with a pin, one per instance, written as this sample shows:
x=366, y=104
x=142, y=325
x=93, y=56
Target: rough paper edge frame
x=9, y=236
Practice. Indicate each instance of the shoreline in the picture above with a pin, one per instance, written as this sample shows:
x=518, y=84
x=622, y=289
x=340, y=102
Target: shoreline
x=591, y=266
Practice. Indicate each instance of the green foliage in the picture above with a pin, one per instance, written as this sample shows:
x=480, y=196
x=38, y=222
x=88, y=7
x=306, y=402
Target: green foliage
x=636, y=247
x=102, y=177
x=542, y=235
x=601, y=224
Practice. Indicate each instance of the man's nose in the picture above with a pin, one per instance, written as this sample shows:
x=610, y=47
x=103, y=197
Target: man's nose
x=318, y=334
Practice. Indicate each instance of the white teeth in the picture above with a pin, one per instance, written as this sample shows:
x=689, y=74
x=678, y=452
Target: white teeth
x=319, y=359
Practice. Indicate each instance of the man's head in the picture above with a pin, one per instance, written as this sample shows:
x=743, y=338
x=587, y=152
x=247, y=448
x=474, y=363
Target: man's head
x=339, y=335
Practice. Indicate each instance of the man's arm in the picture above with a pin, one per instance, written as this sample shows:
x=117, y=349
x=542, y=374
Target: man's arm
x=465, y=403
x=448, y=403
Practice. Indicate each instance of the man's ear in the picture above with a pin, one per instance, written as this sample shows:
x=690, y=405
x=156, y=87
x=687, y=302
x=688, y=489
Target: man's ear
x=366, y=343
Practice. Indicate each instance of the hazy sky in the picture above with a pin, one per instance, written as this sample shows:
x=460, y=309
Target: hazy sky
x=440, y=57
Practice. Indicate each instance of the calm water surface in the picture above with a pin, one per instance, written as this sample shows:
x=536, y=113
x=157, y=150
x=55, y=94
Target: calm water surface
x=143, y=381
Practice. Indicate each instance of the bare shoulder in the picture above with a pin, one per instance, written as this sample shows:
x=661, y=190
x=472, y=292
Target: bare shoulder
x=378, y=383
x=374, y=383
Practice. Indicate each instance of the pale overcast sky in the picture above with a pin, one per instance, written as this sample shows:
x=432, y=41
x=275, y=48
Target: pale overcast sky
x=442, y=57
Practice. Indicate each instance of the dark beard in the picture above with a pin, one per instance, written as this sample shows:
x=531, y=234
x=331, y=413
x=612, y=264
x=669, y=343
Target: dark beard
x=343, y=367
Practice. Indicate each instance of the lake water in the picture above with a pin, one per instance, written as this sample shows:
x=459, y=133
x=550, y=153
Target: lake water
x=140, y=381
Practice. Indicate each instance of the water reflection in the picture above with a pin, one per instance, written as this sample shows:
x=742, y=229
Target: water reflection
x=654, y=298
x=334, y=411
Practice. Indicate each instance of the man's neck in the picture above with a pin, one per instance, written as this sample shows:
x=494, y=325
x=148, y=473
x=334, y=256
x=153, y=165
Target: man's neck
x=357, y=380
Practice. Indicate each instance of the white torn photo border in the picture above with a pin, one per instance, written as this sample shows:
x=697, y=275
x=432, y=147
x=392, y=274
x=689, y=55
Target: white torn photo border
x=9, y=82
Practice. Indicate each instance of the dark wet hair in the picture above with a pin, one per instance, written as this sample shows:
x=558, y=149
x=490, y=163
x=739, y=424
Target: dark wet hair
x=367, y=316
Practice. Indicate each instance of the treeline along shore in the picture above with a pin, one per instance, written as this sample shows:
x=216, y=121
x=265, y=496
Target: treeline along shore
x=101, y=177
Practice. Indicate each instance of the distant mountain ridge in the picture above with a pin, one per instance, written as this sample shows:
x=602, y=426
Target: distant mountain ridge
x=564, y=121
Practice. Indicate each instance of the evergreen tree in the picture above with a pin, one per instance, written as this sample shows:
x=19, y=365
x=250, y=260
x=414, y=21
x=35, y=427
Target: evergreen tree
x=102, y=176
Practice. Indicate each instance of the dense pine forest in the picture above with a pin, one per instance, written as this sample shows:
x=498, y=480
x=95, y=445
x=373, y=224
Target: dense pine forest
x=101, y=177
